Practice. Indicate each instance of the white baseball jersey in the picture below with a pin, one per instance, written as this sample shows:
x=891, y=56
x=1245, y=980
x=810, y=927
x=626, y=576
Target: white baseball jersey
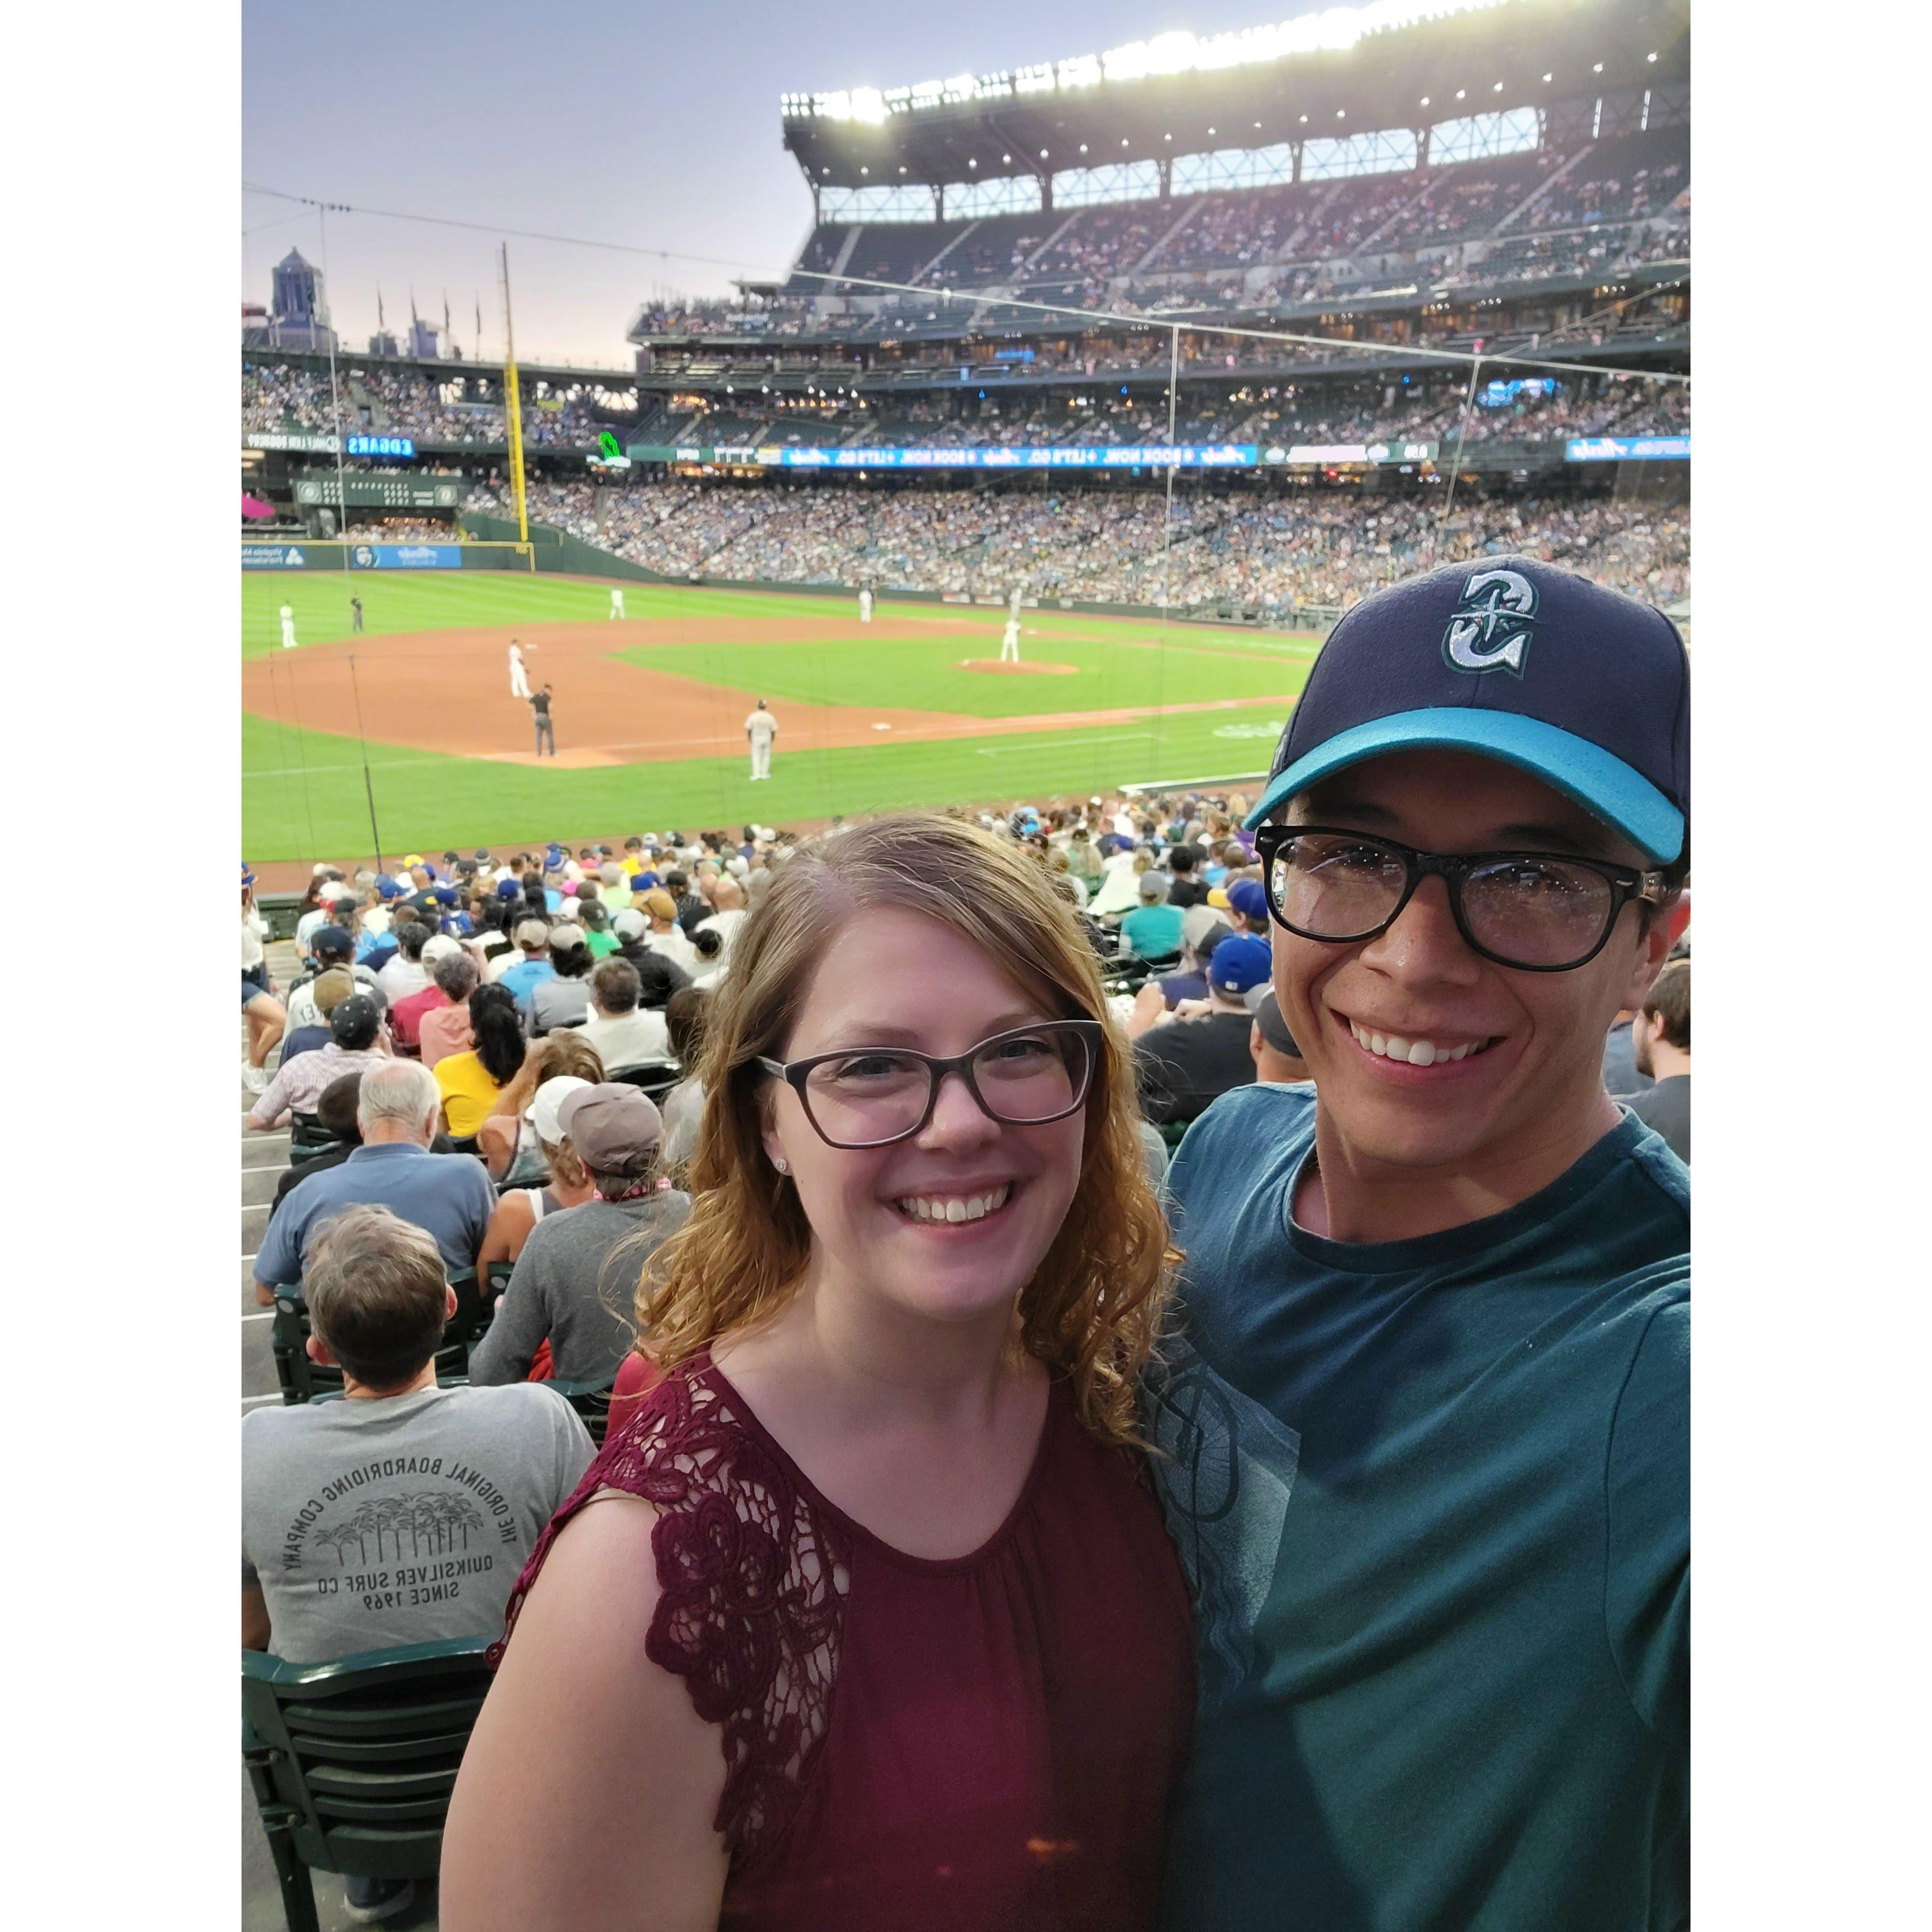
x=762, y=727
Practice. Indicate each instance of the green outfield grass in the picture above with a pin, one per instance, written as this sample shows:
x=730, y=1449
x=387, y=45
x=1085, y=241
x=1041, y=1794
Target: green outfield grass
x=1121, y=663
x=303, y=794
x=395, y=601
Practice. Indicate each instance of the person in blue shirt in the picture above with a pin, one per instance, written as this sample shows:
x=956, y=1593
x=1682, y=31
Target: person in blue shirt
x=1427, y=1424
x=398, y=1112
x=521, y=980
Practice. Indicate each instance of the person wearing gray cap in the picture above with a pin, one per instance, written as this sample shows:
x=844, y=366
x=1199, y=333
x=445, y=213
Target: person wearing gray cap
x=576, y=1276
x=1277, y=1058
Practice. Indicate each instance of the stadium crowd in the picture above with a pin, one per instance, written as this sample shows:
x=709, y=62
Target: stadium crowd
x=1270, y=553
x=1541, y=408
x=380, y=401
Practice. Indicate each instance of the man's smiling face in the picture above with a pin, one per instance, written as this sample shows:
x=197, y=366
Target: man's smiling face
x=1514, y=1058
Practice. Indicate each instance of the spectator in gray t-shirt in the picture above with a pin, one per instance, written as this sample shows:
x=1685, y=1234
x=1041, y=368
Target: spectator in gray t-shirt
x=577, y=1276
x=402, y=1513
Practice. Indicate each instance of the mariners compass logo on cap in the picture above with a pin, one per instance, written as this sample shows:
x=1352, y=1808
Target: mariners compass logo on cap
x=1493, y=624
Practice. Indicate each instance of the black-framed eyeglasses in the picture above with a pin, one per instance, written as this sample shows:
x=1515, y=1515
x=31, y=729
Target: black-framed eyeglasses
x=868, y=1096
x=1538, y=912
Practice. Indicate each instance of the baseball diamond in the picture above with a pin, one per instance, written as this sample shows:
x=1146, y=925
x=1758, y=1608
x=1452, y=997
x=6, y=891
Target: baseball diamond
x=649, y=712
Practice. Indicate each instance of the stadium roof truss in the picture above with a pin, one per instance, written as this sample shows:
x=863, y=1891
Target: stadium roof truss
x=1468, y=57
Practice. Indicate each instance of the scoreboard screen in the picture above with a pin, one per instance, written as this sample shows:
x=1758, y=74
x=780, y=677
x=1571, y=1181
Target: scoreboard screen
x=402, y=446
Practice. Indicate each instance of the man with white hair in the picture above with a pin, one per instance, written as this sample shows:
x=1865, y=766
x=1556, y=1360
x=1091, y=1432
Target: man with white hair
x=398, y=1110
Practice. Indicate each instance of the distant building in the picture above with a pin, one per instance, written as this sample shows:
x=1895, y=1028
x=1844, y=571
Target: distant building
x=423, y=340
x=383, y=343
x=294, y=317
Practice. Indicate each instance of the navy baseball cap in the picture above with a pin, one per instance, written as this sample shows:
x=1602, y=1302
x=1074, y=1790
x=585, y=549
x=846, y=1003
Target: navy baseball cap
x=330, y=942
x=386, y=888
x=1239, y=963
x=1540, y=668
x=1246, y=897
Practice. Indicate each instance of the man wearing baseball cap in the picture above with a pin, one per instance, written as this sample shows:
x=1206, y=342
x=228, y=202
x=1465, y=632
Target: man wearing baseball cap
x=570, y=1286
x=1428, y=1429
x=1189, y=1058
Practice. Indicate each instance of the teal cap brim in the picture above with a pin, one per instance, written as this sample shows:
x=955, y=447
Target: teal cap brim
x=1602, y=783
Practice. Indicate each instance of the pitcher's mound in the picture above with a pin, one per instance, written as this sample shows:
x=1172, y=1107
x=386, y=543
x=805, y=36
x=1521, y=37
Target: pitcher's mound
x=1000, y=668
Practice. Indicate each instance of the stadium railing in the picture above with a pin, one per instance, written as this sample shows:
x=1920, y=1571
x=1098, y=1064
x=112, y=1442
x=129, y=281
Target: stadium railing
x=352, y=1763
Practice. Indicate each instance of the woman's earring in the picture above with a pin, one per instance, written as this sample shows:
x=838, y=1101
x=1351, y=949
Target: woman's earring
x=781, y=1165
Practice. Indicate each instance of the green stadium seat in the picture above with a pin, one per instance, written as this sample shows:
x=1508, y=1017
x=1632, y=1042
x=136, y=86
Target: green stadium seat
x=352, y=1763
x=591, y=1400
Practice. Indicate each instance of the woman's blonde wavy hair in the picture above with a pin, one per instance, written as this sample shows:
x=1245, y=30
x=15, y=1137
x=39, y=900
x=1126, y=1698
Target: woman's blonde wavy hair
x=1094, y=1307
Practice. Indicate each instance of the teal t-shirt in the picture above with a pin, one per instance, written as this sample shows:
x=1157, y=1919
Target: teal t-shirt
x=1153, y=931
x=1434, y=1498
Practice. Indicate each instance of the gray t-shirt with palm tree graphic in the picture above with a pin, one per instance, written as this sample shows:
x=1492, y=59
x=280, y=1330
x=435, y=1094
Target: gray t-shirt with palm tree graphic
x=400, y=1518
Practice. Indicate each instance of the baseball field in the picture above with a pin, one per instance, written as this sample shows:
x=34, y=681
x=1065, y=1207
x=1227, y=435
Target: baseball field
x=913, y=709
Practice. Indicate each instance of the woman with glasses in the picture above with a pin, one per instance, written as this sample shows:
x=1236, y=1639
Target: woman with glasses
x=867, y=1618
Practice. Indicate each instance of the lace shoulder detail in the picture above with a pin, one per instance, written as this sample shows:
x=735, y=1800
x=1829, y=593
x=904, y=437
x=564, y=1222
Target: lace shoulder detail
x=752, y=1585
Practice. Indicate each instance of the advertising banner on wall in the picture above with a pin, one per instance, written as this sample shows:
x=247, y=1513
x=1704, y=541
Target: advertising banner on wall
x=274, y=556
x=406, y=557
x=1122, y=456
x=1628, y=448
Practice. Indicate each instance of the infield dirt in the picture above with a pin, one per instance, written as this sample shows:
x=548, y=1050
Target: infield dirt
x=450, y=693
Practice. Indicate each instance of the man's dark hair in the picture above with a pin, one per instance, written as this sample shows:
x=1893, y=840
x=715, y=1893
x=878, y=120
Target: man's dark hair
x=335, y=1109
x=708, y=943
x=615, y=985
x=411, y=938
x=1669, y=1001
x=676, y=881
x=377, y=1295
x=1181, y=859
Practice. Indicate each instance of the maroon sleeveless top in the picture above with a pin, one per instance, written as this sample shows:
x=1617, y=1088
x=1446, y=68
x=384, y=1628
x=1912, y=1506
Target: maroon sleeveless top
x=985, y=1742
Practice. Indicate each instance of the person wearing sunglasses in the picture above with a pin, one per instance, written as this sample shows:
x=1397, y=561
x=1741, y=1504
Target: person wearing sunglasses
x=1428, y=1421
x=866, y=1617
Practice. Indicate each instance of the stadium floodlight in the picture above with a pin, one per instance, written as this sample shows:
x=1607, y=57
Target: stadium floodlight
x=1334, y=29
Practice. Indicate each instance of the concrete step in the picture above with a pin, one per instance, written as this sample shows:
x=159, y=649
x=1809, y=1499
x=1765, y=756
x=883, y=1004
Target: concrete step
x=269, y=1151
x=259, y=1184
x=254, y=1225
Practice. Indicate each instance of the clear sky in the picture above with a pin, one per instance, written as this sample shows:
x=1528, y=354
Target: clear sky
x=657, y=126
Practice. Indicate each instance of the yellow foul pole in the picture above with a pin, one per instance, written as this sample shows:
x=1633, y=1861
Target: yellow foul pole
x=513, y=416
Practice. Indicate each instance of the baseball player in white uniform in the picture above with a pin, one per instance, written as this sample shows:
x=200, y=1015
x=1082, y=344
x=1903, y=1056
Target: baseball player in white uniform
x=865, y=604
x=1010, y=642
x=520, y=685
x=288, y=627
x=761, y=727
x=616, y=601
